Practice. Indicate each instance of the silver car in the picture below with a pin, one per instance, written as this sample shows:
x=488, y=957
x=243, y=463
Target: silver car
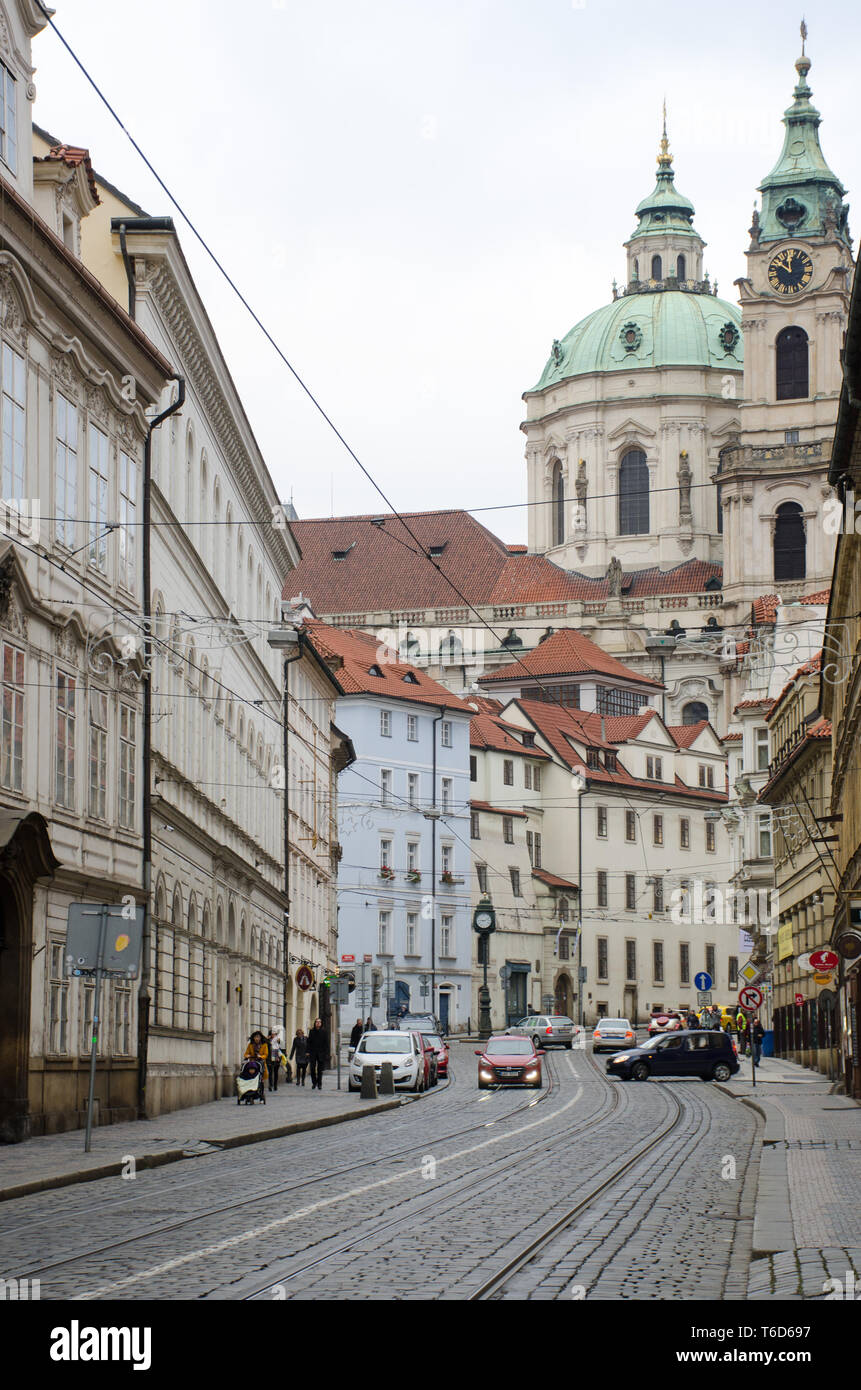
x=546, y=1030
x=611, y=1034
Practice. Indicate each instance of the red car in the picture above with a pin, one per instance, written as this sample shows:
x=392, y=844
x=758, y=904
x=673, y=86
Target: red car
x=429, y=1057
x=440, y=1047
x=507, y=1061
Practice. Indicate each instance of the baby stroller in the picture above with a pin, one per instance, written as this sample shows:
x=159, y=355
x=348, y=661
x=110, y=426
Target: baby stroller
x=249, y=1082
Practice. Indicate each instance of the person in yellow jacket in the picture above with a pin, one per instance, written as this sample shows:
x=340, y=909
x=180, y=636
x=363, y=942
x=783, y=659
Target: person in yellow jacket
x=258, y=1048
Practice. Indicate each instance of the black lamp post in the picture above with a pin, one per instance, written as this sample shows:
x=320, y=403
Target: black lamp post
x=483, y=923
x=289, y=640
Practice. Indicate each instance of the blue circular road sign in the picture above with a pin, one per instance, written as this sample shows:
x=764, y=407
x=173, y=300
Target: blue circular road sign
x=703, y=980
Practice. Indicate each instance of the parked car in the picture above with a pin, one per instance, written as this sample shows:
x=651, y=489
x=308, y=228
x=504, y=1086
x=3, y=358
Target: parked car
x=545, y=1030
x=440, y=1047
x=709, y=1055
x=419, y=1023
x=431, y=1069
x=508, y=1061
x=665, y=1021
x=405, y=1052
x=612, y=1033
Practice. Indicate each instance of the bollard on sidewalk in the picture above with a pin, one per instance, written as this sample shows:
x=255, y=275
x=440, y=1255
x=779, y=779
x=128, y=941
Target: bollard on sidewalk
x=387, y=1079
x=369, y=1083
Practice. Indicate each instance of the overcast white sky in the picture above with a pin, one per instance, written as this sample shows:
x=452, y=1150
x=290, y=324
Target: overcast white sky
x=420, y=195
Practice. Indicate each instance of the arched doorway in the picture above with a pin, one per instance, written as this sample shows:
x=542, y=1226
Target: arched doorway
x=25, y=855
x=563, y=993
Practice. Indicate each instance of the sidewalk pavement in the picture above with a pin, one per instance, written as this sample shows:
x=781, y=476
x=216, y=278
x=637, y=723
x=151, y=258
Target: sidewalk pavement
x=807, y=1220
x=57, y=1160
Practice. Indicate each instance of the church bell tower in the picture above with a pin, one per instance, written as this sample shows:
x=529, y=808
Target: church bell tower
x=772, y=478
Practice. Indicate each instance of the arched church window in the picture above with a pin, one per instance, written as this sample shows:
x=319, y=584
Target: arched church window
x=633, y=494
x=792, y=369
x=694, y=711
x=636, y=269
x=790, y=543
x=657, y=268
x=681, y=268
x=557, y=507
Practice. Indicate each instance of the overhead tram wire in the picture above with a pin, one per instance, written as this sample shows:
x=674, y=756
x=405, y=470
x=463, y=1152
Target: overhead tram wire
x=553, y=699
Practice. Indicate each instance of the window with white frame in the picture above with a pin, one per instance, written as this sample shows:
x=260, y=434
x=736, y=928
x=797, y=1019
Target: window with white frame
x=66, y=465
x=527, y=776
x=412, y=856
x=98, y=498
x=122, y=1001
x=385, y=723
x=385, y=854
x=8, y=119
x=630, y=892
x=601, y=818
x=515, y=881
x=412, y=934
x=14, y=416
x=447, y=858
x=128, y=516
x=98, y=754
x=602, y=887
x=446, y=943
x=384, y=946
x=710, y=837
x=446, y=795
x=764, y=826
x=413, y=728
x=508, y=829
x=445, y=733
x=706, y=774
x=386, y=786
x=657, y=830
x=684, y=832
x=12, y=719
x=58, y=1000
x=128, y=754
x=654, y=767
x=65, y=765
x=413, y=788
x=761, y=742
x=508, y=772
x=474, y=826
x=533, y=847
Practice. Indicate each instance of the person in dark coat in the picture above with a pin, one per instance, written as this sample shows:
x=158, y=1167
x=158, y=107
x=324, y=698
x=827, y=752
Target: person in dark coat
x=318, y=1052
x=299, y=1050
x=757, y=1035
x=358, y=1030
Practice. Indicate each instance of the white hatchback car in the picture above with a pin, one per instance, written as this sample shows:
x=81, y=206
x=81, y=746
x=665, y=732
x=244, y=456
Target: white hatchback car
x=402, y=1050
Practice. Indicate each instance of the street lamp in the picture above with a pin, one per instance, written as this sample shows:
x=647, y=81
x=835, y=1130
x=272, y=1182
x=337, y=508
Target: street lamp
x=289, y=640
x=483, y=923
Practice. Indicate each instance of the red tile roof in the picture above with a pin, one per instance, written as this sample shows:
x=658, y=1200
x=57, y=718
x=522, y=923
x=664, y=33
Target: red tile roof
x=732, y=738
x=359, y=651
x=764, y=703
x=487, y=732
x=683, y=735
x=566, y=653
x=765, y=608
x=379, y=570
x=553, y=880
x=484, y=704
x=498, y=810
x=73, y=155
x=821, y=729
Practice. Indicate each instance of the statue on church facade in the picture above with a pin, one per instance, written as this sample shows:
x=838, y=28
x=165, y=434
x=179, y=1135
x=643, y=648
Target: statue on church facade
x=614, y=578
x=685, y=477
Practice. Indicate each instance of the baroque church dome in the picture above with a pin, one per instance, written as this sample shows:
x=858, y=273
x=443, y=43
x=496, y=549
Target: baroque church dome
x=670, y=328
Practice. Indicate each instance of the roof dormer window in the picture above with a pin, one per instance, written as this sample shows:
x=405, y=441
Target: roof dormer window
x=375, y=671
x=436, y=550
x=411, y=679
x=8, y=120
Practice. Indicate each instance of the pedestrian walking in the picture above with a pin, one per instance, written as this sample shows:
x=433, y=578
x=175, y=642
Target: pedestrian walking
x=369, y=1025
x=358, y=1030
x=273, y=1061
x=299, y=1050
x=318, y=1053
x=692, y=1021
x=757, y=1035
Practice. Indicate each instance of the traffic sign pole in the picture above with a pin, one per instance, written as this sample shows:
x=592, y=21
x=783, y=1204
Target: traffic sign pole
x=100, y=960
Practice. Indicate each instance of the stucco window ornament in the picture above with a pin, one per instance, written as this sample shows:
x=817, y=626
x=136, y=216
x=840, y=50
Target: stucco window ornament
x=630, y=336
x=791, y=214
x=729, y=337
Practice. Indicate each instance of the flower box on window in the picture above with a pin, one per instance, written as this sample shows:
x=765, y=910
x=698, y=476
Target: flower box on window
x=449, y=879
x=387, y=873
x=413, y=876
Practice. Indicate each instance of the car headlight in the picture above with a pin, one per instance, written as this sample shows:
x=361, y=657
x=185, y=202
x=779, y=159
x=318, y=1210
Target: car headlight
x=532, y=1076
x=485, y=1075
x=620, y=1057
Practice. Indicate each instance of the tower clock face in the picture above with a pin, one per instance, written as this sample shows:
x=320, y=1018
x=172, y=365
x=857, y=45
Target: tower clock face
x=790, y=271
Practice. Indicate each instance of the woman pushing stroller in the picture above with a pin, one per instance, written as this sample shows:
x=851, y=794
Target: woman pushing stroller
x=250, y=1081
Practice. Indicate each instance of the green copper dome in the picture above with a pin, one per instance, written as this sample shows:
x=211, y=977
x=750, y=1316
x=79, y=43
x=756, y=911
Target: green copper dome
x=663, y=328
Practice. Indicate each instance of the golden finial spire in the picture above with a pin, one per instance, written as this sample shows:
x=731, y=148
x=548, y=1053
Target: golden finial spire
x=665, y=159
x=803, y=36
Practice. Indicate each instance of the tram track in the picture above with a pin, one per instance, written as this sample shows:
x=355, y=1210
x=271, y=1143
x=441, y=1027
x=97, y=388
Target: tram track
x=269, y=1194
